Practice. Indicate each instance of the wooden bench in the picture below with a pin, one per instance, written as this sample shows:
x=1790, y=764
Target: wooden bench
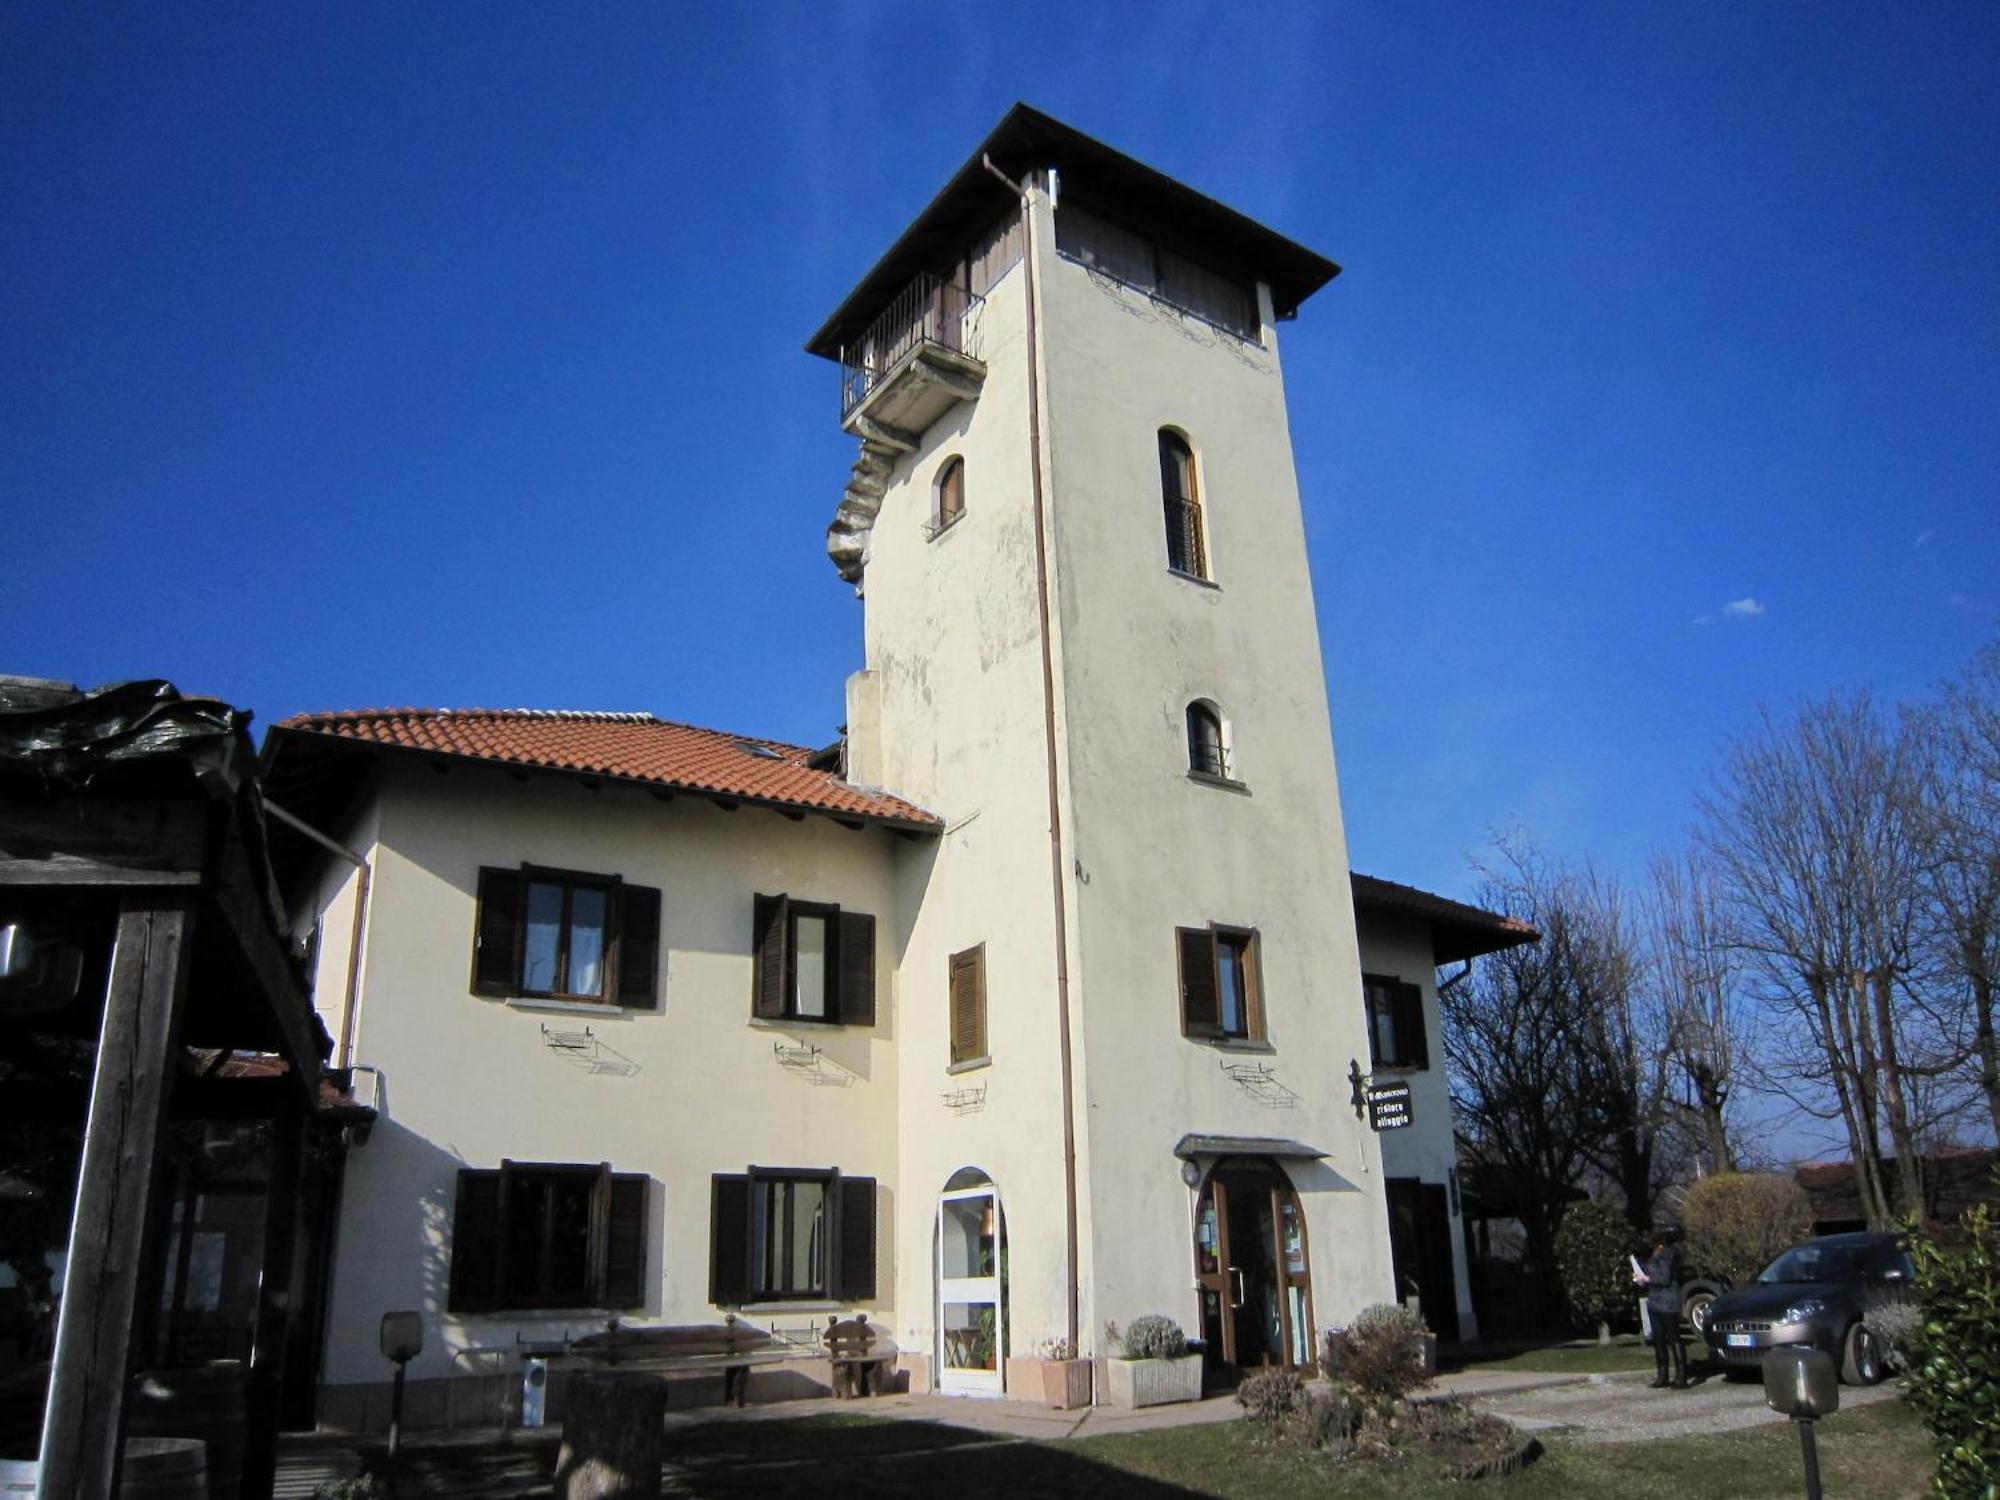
x=730, y=1346
x=859, y=1359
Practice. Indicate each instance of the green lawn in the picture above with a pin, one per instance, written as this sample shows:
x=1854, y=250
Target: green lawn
x=1874, y=1453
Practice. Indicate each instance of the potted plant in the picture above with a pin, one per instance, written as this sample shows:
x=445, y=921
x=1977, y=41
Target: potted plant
x=1057, y=1376
x=1153, y=1365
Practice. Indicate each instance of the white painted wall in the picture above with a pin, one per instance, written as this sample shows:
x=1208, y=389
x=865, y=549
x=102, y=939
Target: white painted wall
x=1153, y=849
x=469, y=1080
x=1400, y=948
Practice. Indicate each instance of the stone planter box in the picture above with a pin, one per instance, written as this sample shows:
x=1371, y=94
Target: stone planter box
x=1063, y=1384
x=1153, y=1382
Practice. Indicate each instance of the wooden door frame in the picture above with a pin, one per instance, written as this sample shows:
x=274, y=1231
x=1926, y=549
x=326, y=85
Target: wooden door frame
x=1278, y=1188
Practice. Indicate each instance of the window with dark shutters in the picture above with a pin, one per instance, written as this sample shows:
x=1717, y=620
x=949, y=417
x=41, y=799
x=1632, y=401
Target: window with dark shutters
x=475, y=1242
x=840, y=951
x=1397, y=1037
x=566, y=935
x=1222, y=993
x=967, y=992
x=780, y=1234
x=1201, y=1011
x=496, y=951
x=729, y=1240
x=853, y=1272
x=548, y=1235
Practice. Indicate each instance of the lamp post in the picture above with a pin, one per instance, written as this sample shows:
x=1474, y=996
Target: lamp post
x=402, y=1341
x=1802, y=1384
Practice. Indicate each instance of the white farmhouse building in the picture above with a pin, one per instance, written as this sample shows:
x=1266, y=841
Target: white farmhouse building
x=1031, y=1005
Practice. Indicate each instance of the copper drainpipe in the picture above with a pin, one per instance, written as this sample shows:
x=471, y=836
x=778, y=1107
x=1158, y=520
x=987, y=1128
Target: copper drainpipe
x=345, y=1050
x=1049, y=743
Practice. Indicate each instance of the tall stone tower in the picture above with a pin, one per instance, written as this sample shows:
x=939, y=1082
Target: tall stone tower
x=1128, y=994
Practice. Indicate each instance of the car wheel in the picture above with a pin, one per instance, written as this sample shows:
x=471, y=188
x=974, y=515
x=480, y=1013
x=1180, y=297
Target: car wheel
x=1861, y=1358
x=1698, y=1304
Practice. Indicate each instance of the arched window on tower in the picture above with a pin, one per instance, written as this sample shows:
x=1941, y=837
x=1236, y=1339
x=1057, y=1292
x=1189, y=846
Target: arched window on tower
x=1208, y=743
x=1187, y=550
x=950, y=494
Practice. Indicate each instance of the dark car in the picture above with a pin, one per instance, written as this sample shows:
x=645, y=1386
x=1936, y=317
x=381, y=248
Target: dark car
x=1818, y=1293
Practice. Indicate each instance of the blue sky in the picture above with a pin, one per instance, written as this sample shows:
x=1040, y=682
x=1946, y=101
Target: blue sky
x=363, y=355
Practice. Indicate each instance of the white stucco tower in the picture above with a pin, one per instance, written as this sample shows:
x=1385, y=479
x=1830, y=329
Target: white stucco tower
x=1128, y=994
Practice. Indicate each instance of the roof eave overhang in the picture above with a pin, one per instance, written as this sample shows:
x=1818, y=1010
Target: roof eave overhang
x=848, y=817
x=1026, y=139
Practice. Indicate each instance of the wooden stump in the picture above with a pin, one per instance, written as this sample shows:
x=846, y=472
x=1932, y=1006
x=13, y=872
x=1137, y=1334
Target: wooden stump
x=614, y=1437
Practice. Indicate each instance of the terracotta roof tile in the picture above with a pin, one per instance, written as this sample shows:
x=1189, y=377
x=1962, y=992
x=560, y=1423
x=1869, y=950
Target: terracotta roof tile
x=627, y=747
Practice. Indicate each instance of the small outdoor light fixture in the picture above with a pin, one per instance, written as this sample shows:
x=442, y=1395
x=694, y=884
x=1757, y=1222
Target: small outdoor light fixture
x=402, y=1341
x=1801, y=1384
x=1191, y=1173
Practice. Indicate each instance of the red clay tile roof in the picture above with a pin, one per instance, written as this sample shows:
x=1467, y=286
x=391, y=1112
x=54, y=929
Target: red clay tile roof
x=625, y=747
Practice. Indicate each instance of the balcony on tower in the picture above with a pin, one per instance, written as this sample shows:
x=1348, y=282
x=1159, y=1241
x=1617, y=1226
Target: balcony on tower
x=918, y=358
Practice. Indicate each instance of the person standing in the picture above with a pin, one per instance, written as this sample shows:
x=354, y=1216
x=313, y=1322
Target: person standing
x=1660, y=1276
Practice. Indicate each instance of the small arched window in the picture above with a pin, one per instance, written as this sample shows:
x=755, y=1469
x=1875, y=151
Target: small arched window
x=950, y=493
x=1187, y=551
x=1208, y=745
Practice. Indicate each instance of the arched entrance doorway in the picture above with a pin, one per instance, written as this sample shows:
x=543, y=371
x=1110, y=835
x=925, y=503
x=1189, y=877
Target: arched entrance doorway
x=1252, y=1264
x=971, y=1285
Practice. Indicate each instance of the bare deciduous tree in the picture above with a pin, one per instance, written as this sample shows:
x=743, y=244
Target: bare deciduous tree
x=1693, y=975
x=1960, y=739
x=1814, y=828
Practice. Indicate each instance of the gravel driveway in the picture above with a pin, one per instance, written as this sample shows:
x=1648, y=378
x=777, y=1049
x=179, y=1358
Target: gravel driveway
x=1621, y=1409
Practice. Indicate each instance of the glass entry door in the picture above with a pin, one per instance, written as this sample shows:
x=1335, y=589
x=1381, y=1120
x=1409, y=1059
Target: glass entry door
x=971, y=1334
x=1250, y=1259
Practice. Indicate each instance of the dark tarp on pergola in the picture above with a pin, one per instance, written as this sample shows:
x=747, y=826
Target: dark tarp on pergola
x=140, y=931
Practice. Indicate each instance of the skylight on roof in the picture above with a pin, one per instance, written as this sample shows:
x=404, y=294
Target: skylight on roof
x=762, y=752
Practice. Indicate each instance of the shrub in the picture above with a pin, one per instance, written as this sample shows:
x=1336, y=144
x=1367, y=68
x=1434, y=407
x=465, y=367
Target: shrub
x=1955, y=1383
x=366, y=1487
x=1738, y=1222
x=1271, y=1395
x=1591, y=1250
x=1154, y=1336
x=1326, y=1420
x=1382, y=1353
x=1899, y=1328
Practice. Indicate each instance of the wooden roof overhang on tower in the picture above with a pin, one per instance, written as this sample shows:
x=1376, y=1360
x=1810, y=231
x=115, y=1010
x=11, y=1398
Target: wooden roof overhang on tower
x=1144, y=200
x=138, y=922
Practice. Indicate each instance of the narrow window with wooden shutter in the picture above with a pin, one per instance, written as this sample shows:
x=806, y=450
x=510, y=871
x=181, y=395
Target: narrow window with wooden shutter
x=854, y=958
x=475, y=1240
x=1201, y=1010
x=729, y=1239
x=1411, y=1038
x=639, y=948
x=496, y=944
x=967, y=992
x=854, y=1227
x=770, y=939
x=625, y=1242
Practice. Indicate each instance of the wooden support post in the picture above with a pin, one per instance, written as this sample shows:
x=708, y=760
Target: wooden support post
x=82, y=1432
x=275, y=1314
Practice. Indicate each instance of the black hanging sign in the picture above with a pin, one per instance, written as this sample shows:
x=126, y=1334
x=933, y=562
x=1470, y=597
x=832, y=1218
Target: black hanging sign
x=1389, y=1106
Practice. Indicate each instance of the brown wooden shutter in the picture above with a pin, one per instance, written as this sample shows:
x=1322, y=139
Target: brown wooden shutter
x=769, y=934
x=968, y=1004
x=475, y=1241
x=853, y=1278
x=496, y=954
x=638, y=946
x=625, y=1242
x=1411, y=1043
x=856, y=962
x=729, y=1240
x=1201, y=1004
x=1253, y=987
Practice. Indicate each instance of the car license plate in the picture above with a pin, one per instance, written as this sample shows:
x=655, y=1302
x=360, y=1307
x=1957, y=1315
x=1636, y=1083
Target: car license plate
x=1737, y=1340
